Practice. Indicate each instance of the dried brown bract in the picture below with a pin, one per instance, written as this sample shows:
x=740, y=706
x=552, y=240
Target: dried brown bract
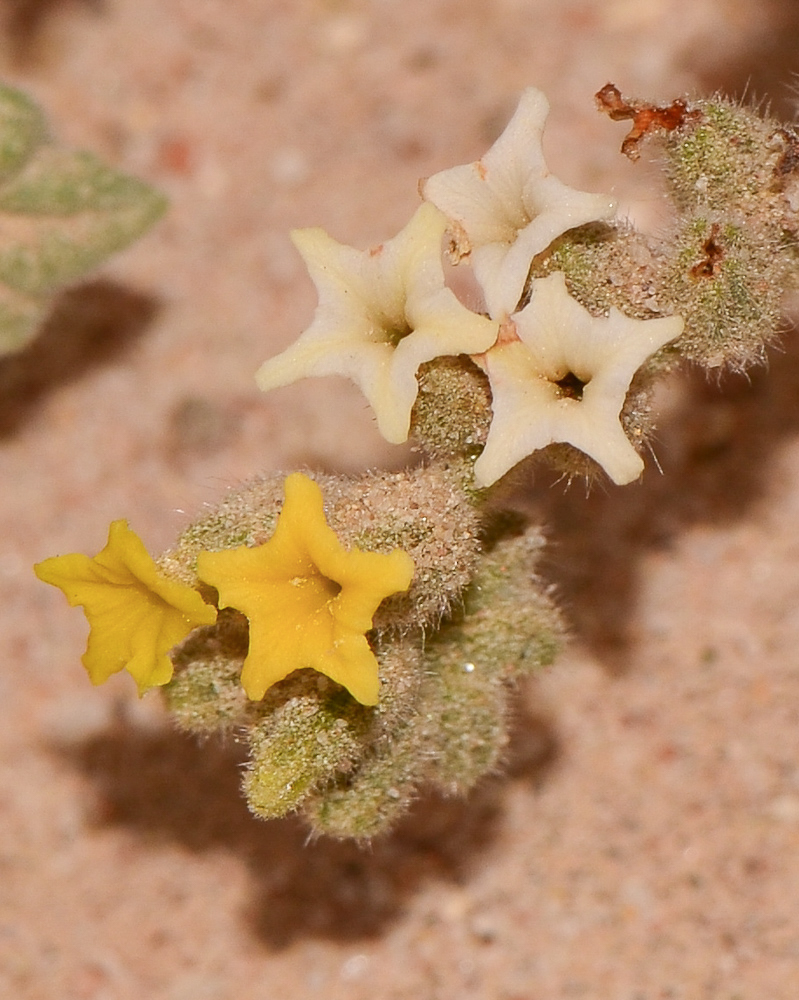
x=646, y=118
x=713, y=252
x=788, y=162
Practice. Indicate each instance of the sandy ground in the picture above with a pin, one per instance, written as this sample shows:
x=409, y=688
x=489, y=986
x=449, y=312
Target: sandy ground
x=643, y=843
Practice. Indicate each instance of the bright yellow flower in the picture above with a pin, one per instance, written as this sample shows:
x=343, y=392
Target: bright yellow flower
x=309, y=600
x=136, y=614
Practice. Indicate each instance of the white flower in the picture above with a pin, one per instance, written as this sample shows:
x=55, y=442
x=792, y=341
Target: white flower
x=507, y=207
x=381, y=314
x=565, y=379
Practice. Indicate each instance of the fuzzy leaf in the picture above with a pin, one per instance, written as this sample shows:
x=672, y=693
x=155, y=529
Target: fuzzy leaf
x=61, y=214
x=65, y=182
x=22, y=130
x=64, y=214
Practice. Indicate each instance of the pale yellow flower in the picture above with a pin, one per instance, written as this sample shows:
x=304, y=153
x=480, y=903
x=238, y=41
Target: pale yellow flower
x=381, y=314
x=309, y=601
x=559, y=374
x=506, y=207
x=136, y=614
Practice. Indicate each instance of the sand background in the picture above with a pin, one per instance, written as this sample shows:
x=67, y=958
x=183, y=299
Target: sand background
x=643, y=842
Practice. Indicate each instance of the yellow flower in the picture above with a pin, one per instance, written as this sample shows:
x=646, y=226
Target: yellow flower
x=136, y=614
x=309, y=600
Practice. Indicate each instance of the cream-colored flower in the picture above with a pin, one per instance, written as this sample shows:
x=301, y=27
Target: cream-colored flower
x=565, y=379
x=507, y=207
x=381, y=314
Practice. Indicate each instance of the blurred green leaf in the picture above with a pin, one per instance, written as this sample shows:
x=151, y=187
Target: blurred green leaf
x=22, y=130
x=61, y=214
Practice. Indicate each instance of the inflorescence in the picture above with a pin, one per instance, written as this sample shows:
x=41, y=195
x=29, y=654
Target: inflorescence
x=364, y=635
